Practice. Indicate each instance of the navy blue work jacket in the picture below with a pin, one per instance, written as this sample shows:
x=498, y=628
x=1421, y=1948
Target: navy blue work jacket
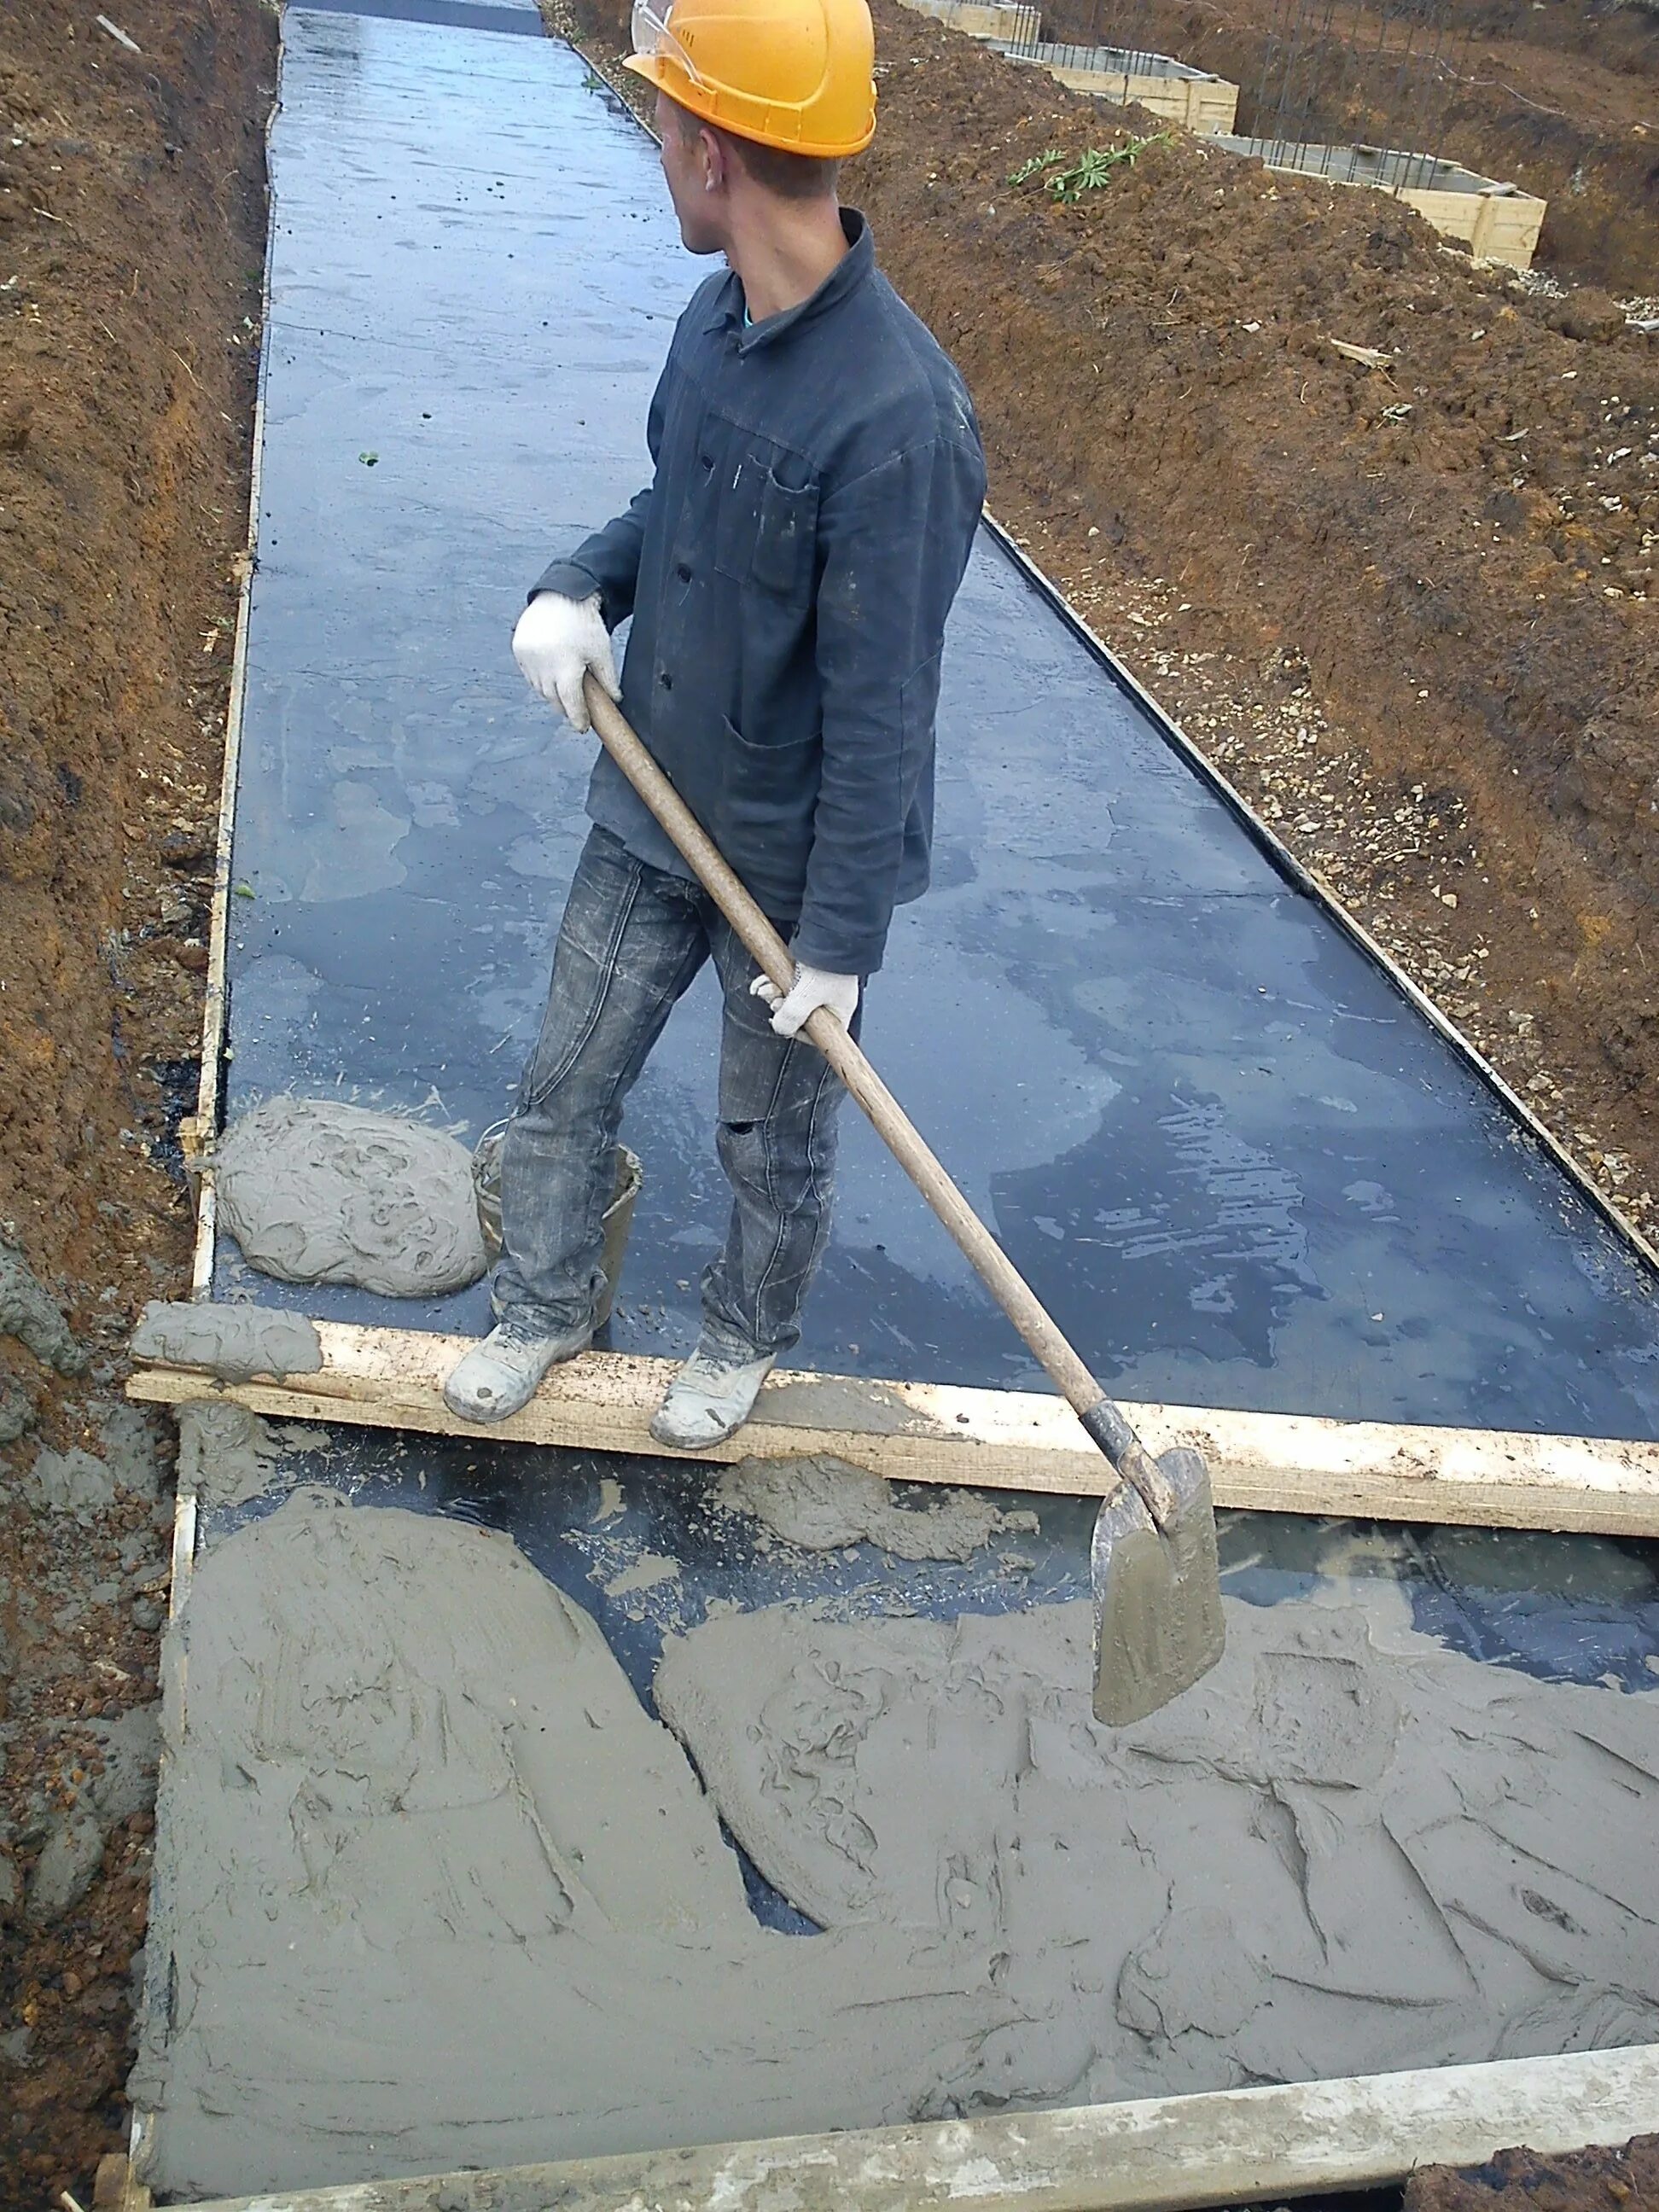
x=818, y=479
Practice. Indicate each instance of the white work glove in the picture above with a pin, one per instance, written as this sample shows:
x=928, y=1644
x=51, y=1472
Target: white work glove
x=555, y=642
x=812, y=987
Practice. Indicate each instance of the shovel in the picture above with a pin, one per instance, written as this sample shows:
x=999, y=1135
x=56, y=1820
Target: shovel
x=1152, y=1562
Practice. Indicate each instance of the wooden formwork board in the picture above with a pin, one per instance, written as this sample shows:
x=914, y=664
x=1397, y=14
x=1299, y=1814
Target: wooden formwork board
x=1499, y=226
x=983, y=19
x=1156, y=2155
x=1207, y=106
x=993, y=1439
x=1496, y=222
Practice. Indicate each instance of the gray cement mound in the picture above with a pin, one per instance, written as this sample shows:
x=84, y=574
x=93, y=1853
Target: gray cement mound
x=30, y=1313
x=226, y=1453
x=432, y=1890
x=820, y=1503
x=318, y=1192
x=82, y=1484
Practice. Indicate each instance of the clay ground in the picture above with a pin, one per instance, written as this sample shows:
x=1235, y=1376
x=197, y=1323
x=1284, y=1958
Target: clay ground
x=1406, y=607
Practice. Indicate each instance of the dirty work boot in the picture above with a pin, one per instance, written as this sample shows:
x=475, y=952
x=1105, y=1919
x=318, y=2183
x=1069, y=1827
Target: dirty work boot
x=500, y=1374
x=712, y=1395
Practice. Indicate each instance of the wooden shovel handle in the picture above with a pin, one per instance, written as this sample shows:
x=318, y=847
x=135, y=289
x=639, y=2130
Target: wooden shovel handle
x=1104, y=1421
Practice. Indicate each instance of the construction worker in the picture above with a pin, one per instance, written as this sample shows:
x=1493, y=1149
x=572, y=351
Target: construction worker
x=819, y=477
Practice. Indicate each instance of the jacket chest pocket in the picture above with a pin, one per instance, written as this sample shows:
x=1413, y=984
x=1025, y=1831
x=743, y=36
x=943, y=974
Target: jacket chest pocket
x=766, y=532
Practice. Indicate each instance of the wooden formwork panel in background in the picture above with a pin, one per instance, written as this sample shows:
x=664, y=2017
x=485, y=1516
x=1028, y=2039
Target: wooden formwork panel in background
x=1495, y=220
x=984, y=19
x=1499, y=226
x=1206, y=106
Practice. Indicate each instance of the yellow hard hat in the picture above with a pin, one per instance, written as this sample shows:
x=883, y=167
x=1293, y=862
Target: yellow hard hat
x=797, y=74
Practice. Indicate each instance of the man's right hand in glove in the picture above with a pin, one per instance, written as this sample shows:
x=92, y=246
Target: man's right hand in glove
x=556, y=643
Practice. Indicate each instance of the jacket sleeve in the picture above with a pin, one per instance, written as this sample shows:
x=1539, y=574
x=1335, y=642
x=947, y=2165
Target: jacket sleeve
x=895, y=543
x=608, y=562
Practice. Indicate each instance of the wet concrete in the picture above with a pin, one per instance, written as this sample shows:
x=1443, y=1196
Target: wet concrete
x=350, y=1954
x=466, y=1905
x=1239, y=1166
x=1580, y=1609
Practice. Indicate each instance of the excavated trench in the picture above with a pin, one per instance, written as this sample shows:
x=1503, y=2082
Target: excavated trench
x=434, y=1888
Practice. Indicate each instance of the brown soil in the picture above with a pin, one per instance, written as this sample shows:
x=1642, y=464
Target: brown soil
x=131, y=231
x=1560, y=99
x=1609, y=2180
x=1406, y=608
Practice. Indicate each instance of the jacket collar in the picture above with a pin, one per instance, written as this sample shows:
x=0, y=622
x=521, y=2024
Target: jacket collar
x=855, y=267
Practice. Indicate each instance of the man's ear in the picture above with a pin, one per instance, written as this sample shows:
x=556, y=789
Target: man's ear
x=716, y=166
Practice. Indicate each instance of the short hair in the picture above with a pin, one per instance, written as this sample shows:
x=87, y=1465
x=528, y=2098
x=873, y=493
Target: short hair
x=791, y=176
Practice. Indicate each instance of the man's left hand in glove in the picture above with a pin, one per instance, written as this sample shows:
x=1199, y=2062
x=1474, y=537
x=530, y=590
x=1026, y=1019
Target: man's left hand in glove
x=812, y=987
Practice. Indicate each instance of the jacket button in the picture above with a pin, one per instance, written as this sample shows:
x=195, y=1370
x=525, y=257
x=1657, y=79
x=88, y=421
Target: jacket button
x=706, y=460
x=666, y=680
x=684, y=573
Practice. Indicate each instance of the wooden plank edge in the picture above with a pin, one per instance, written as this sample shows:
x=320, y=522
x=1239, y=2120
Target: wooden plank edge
x=1156, y=2155
x=990, y=1439
x=197, y=1133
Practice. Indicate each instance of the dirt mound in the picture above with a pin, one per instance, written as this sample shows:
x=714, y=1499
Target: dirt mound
x=132, y=227
x=1561, y=100
x=1515, y=2180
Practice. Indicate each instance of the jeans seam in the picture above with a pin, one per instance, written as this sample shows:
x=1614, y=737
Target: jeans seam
x=606, y=977
x=812, y=1190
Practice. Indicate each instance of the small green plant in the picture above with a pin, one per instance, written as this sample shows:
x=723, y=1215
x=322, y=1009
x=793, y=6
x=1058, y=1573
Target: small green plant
x=1092, y=169
x=1035, y=167
x=1095, y=167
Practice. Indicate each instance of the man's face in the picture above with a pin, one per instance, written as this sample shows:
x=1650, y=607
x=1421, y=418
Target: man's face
x=686, y=164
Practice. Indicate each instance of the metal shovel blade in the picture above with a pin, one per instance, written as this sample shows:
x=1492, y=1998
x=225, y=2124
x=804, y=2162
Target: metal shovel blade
x=1158, y=1625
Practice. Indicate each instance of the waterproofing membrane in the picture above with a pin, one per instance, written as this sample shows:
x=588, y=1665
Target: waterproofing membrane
x=512, y=15
x=1235, y=1163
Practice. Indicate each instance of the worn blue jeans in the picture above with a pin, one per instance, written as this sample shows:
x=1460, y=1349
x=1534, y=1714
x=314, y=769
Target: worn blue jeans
x=632, y=938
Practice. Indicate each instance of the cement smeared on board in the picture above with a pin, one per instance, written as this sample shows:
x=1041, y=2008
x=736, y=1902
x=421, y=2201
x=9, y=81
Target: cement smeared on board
x=1348, y=1850
x=235, y=1343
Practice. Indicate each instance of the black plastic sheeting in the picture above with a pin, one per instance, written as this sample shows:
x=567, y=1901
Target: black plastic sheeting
x=1235, y=1163
x=522, y=16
